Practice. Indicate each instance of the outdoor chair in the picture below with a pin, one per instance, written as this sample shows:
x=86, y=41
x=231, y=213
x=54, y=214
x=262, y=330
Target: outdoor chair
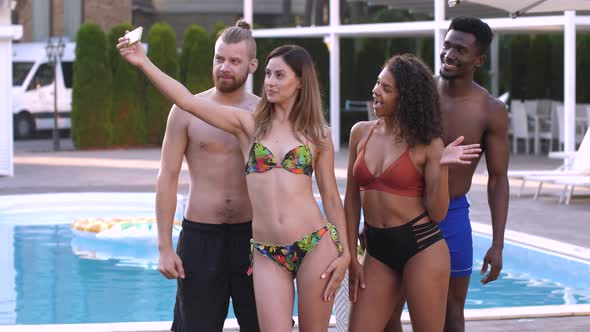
x=569, y=183
x=576, y=164
x=559, y=115
x=519, y=125
x=539, y=112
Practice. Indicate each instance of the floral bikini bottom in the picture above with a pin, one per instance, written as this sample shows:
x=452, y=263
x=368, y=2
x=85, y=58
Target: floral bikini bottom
x=290, y=256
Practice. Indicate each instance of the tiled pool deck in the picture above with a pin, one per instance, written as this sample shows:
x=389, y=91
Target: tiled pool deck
x=39, y=170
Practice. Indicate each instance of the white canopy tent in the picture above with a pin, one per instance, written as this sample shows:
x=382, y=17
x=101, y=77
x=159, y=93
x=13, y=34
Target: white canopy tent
x=517, y=8
x=567, y=22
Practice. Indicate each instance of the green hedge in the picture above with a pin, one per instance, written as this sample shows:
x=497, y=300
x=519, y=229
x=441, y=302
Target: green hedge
x=519, y=48
x=539, y=74
x=196, y=59
x=127, y=115
x=162, y=52
x=583, y=69
x=92, y=90
x=556, y=67
x=537, y=82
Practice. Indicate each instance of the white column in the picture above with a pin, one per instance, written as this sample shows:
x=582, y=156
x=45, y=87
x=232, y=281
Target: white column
x=569, y=81
x=8, y=277
x=249, y=17
x=7, y=33
x=335, y=74
x=439, y=32
x=495, y=65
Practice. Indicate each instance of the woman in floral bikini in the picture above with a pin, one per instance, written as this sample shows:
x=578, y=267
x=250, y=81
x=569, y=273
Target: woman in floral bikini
x=283, y=143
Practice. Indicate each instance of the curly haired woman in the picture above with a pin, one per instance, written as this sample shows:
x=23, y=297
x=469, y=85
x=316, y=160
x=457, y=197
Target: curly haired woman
x=397, y=172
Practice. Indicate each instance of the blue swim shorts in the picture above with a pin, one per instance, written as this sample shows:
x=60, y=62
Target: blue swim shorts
x=456, y=229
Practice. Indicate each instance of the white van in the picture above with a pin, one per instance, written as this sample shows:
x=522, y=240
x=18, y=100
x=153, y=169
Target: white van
x=33, y=89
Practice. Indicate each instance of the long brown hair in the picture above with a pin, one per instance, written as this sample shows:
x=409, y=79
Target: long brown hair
x=307, y=117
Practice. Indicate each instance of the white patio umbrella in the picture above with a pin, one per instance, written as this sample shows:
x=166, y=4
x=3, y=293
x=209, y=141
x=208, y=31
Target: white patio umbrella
x=516, y=8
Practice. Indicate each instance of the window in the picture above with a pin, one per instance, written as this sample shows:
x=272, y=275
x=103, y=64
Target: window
x=67, y=70
x=20, y=71
x=43, y=77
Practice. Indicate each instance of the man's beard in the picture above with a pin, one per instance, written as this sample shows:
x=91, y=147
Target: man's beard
x=230, y=85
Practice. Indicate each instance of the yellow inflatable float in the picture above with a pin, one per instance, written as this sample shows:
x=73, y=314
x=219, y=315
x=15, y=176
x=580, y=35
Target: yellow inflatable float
x=119, y=228
x=132, y=240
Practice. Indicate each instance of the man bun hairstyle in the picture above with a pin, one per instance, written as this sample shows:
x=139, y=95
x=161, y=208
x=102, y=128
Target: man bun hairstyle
x=241, y=23
x=239, y=32
x=481, y=30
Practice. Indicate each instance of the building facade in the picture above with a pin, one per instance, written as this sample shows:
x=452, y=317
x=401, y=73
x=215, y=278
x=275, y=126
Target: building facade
x=42, y=19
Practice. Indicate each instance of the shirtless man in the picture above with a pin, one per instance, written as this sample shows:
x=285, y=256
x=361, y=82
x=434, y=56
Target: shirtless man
x=212, y=257
x=469, y=110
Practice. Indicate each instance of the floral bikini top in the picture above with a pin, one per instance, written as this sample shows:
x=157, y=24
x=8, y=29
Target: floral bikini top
x=261, y=159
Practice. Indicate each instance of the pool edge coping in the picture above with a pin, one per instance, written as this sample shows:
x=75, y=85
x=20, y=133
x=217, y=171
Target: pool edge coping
x=231, y=324
x=571, y=251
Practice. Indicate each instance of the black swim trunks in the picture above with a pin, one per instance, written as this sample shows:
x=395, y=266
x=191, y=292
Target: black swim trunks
x=215, y=259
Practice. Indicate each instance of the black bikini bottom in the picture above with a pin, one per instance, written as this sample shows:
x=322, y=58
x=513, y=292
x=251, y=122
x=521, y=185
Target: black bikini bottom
x=394, y=246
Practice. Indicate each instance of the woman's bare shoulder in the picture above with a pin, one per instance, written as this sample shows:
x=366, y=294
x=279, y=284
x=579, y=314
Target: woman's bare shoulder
x=361, y=129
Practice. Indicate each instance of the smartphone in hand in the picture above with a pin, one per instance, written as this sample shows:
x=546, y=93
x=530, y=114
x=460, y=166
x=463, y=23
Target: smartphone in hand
x=134, y=36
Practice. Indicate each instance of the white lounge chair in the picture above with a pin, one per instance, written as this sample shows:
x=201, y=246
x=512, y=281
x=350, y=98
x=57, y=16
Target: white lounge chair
x=569, y=183
x=576, y=164
x=504, y=98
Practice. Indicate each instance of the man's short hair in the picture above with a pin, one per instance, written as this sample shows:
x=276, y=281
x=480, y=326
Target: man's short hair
x=481, y=30
x=237, y=33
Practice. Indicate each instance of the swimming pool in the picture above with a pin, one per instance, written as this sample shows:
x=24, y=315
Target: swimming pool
x=46, y=280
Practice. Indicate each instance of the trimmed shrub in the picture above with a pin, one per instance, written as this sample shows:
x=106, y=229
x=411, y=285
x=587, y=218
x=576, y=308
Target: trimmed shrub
x=263, y=48
x=92, y=89
x=370, y=61
x=519, y=45
x=219, y=25
x=196, y=59
x=505, y=64
x=127, y=115
x=426, y=48
x=538, y=86
x=482, y=74
x=556, y=67
x=162, y=52
x=348, y=71
x=583, y=69
x=321, y=59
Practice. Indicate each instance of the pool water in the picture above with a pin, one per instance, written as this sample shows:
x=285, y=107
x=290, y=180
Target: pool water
x=54, y=285
x=47, y=278
x=529, y=277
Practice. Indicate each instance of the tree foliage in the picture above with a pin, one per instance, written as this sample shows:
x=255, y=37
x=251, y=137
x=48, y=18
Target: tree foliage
x=519, y=46
x=196, y=59
x=127, y=115
x=162, y=52
x=583, y=69
x=92, y=92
